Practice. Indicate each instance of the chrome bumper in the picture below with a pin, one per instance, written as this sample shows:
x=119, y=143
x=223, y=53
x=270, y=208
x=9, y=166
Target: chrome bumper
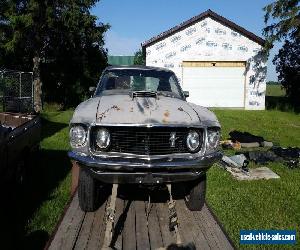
x=134, y=164
x=154, y=171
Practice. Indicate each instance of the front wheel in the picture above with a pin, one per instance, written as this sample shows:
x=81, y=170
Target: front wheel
x=195, y=197
x=88, y=191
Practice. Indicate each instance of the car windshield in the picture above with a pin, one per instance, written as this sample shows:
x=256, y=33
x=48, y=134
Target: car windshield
x=119, y=81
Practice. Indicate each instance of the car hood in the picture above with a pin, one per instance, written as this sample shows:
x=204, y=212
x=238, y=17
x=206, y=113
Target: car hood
x=123, y=109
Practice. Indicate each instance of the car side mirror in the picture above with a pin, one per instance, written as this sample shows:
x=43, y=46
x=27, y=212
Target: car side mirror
x=186, y=94
x=92, y=90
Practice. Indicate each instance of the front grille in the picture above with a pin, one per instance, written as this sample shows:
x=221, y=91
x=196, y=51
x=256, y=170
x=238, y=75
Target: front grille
x=145, y=141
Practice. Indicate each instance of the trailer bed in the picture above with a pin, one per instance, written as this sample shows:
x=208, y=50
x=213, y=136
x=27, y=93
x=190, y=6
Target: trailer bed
x=133, y=230
x=19, y=137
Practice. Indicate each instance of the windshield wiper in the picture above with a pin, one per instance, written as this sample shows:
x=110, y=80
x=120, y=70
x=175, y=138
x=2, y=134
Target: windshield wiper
x=144, y=94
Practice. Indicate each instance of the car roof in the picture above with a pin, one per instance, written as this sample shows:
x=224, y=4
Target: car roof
x=138, y=67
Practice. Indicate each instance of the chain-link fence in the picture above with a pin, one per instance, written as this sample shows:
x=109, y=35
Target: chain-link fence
x=16, y=91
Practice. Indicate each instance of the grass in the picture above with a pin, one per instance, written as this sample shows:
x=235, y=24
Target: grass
x=273, y=204
x=275, y=90
x=276, y=99
x=262, y=204
x=54, y=151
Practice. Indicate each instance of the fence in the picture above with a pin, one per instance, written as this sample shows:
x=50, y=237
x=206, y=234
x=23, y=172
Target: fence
x=16, y=91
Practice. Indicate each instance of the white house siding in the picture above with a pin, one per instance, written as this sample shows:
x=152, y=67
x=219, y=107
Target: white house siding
x=209, y=40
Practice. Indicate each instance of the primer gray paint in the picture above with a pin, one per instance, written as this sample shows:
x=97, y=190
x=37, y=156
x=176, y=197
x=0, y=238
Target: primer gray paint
x=123, y=109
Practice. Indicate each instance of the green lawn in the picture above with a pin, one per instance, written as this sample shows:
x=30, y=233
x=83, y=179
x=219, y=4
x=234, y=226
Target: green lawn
x=275, y=90
x=273, y=204
x=54, y=168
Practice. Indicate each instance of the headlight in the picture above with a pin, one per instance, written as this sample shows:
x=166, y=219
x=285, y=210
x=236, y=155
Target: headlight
x=102, y=138
x=213, y=138
x=193, y=141
x=77, y=136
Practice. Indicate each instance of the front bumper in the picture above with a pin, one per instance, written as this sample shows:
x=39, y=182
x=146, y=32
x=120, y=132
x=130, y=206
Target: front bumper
x=148, y=171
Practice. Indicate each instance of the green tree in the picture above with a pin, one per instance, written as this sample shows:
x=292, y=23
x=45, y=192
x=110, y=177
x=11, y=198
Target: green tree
x=139, y=58
x=59, y=40
x=282, y=19
x=288, y=66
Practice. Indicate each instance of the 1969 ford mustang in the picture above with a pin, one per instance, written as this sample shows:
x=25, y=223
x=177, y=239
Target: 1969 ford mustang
x=139, y=128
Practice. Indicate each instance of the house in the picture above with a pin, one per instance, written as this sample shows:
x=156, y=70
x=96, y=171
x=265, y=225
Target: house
x=217, y=61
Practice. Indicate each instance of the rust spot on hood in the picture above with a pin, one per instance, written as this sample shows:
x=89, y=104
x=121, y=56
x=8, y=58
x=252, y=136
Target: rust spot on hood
x=167, y=113
x=105, y=112
x=115, y=107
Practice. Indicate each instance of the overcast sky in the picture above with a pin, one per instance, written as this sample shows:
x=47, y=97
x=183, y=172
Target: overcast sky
x=134, y=21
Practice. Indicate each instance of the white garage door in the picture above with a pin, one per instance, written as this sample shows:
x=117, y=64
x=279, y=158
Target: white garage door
x=215, y=84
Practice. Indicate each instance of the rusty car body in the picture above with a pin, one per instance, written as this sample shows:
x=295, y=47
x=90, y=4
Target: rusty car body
x=139, y=128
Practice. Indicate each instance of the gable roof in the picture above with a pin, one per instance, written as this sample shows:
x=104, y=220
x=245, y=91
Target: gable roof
x=195, y=19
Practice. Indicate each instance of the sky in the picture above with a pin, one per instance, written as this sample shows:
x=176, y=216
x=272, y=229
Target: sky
x=135, y=21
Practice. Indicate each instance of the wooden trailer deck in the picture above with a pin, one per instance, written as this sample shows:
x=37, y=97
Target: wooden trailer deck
x=133, y=230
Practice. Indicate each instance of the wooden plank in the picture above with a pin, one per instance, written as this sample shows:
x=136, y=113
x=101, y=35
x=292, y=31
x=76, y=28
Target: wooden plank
x=209, y=235
x=66, y=234
x=191, y=229
x=119, y=225
x=142, y=238
x=184, y=227
x=214, y=229
x=163, y=218
x=97, y=230
x=81, y=230
x=207, y=230
x=155, y=235
x=85, y=231
x=129, y=237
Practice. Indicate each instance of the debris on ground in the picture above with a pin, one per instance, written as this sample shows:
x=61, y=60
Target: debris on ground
x=228, y=144
x=235, y=161
x=253, y=174
x=262, y=157
x=290, y=155
x=240, y=140
x=287, y=152
x=245, y=137
x=237, y=164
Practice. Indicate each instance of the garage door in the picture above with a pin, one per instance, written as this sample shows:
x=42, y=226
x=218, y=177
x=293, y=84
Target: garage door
x=215, y=84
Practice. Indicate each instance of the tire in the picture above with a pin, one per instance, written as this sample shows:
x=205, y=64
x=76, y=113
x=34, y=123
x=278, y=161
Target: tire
x=88, y=191
x=195, y=197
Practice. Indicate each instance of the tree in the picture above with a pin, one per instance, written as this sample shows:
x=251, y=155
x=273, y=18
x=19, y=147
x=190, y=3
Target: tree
x=139, y=58
x=59, y=40
x=285, y=21
x=282, y=20
x=288, y=66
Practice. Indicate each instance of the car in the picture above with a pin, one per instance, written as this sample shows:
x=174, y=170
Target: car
x=138, y=128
